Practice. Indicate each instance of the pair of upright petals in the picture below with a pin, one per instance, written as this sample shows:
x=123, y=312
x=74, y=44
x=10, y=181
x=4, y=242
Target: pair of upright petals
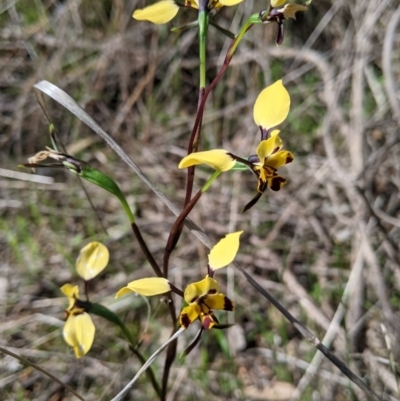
x=270, y=109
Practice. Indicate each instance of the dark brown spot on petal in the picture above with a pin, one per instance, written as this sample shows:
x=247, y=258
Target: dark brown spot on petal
x=289, y=159
x=212, y=291
x=277, y=182
x=185, y=321
x=228, y=304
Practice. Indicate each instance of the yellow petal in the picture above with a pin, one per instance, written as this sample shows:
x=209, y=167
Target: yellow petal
x=219, y=302
x=277, y=3
x=189, y=314
x=123, y=291
x=272, y=106
x=79, y=332
x=218, y=159
x=146, y=286
x=280, y=158
x=72, y=292
x=229, y=2
x=69, y=290
x=265, y=148
x=92, y=260
x=224, y=251
x=290, y=10
x=158, y=13
x=195, y=290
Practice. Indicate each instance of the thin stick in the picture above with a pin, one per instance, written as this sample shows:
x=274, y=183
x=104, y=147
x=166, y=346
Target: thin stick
x=123, y=392
x=42, y=370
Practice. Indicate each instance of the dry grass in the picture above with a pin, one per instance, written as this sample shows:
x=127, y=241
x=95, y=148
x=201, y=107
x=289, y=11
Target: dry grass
x=326, y=245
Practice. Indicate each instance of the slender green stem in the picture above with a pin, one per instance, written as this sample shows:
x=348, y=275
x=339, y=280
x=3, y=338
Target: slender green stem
x=207, y=185
x=127, y=209
x=249, y=23
x=203, y=19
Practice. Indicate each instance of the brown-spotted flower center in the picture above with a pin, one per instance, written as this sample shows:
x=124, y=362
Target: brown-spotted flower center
x=270, y=158
x=203, y=297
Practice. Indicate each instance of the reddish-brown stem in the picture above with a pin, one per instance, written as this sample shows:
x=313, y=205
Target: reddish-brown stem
x=171, y=243
x=193, y=147
x=189, y=203
x=176, y=231
x=172, y=347
x=195, y=135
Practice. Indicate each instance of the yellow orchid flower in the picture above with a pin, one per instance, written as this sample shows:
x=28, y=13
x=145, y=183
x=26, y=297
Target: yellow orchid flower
x=265, y=165
x=79, y=330
x=203, y=296
x=165, y=10
x=92, y=260
x=270, y=109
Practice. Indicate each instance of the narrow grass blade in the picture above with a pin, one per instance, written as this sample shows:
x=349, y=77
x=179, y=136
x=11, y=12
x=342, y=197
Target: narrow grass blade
x=122, y=393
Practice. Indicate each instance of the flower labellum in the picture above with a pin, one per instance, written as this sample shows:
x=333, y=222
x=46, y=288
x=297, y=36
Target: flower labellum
x=78, y=332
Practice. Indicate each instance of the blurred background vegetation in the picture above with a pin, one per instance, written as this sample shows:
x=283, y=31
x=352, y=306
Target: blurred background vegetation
x=331, y=234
